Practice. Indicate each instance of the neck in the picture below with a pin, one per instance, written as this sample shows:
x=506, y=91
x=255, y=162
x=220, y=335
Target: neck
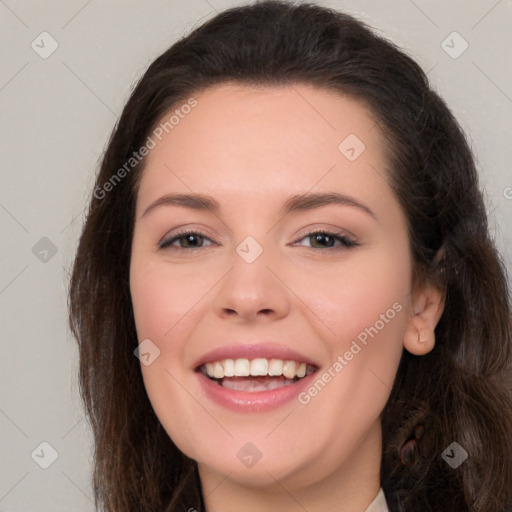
x=351, y=487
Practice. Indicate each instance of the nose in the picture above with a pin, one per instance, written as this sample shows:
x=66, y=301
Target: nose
x=252, y=291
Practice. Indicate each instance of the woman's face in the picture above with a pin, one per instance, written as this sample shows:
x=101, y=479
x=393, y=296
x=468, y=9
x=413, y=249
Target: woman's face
x=300, y=261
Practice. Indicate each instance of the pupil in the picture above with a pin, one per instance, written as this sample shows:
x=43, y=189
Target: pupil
x=190, y=239
x=320, y=236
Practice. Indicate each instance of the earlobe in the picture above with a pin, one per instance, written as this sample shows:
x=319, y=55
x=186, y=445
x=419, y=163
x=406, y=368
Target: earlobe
x=419, y=339
x=427, y=308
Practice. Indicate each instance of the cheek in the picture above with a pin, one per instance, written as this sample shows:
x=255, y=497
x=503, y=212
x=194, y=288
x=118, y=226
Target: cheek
x=351, y=296
x=365, y=307
x=364, y=304
x=166, y=299
x=163, y=305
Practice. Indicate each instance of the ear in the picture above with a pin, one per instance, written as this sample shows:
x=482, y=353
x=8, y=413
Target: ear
x=427, y=306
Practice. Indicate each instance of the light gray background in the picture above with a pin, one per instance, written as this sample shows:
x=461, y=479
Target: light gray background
x=56, y=115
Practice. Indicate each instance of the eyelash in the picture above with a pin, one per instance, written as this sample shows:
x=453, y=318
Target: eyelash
x=346, y=243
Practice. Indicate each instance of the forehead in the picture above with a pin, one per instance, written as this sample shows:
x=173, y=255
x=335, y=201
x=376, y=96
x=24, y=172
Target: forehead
x=260, y=140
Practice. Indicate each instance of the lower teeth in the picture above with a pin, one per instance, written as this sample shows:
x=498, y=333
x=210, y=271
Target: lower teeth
x=255, y=384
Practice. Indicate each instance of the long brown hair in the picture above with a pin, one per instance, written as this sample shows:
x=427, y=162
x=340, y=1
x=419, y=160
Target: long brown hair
x=456, y=393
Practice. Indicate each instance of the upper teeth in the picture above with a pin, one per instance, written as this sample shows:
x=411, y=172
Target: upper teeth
x=255, y=367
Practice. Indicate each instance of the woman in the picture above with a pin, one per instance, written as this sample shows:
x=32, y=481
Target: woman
x=287, y=231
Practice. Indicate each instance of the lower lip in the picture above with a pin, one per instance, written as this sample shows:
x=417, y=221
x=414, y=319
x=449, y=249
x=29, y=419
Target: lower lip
x=244, y=401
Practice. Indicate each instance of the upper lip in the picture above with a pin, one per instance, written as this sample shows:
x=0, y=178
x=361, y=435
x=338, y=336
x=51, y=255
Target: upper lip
x=253, y=350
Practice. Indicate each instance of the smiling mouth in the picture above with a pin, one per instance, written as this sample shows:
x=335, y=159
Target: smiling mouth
x=253, y=375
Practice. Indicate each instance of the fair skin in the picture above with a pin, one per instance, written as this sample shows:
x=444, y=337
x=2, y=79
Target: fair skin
x=251, y=149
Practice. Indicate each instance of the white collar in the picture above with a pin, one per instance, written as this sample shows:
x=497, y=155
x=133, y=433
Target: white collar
x=379, y=503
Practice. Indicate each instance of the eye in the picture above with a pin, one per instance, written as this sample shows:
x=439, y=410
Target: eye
x=326, y=240
x=191, y=239
x=195, y=240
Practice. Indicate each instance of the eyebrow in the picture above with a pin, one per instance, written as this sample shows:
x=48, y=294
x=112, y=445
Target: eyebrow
x=298, y=202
